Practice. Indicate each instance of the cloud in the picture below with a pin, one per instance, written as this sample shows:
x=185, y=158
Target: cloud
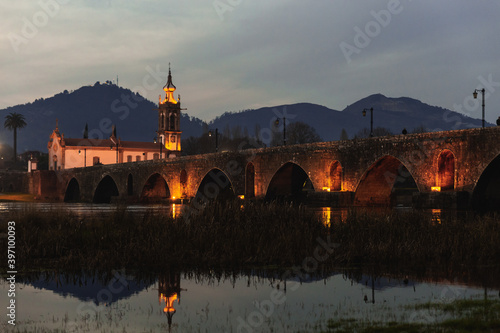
x=259, y=53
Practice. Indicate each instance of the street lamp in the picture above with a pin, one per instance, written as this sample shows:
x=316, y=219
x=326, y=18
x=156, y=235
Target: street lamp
x=371, y=119
x=277, y=122
x=216, y=139
x=84, y=157
x=159, y=139
x=475, y=96
x=112, y=140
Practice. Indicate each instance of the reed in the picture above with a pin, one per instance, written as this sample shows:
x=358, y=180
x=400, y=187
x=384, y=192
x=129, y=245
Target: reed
x=232, y=235
x=222, y=234
x=417, y=240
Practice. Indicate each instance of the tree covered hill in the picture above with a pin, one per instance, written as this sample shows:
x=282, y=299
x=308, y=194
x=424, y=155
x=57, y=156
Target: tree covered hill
x=104, y=105
x=101, y=106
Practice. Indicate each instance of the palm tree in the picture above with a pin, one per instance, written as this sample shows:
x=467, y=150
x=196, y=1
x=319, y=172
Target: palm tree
x=13, y=121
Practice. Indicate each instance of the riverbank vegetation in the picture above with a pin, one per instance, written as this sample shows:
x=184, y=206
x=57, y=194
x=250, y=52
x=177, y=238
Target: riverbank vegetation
x=235, y=235
x=465, y=315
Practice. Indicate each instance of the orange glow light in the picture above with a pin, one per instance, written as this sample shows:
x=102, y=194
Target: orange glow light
x=327, y=216
x=241, y=197
x=436, y=189
x=327, y=189
x=169, y=302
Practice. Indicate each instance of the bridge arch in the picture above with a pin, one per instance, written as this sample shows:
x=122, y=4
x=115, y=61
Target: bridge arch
x=155, y=189
x=105, y=190
x=385, y=179
x=250, y=180
x=446, y=170
x=486, y=193
x=216, y=184
x=72, y=193
x=335, y=176
x=290, y=181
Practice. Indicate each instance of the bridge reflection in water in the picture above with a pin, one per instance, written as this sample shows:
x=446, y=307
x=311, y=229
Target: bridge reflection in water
x=327, y=215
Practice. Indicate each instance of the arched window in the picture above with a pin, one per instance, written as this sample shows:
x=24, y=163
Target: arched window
x=172, y=122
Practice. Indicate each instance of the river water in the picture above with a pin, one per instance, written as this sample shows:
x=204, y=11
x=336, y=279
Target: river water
x=250, y=301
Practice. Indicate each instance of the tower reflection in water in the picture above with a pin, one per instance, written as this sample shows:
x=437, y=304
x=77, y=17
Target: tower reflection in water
x=169, y=291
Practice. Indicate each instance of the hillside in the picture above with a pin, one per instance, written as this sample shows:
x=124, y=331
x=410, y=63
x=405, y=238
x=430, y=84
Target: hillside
x=102, y=105
x=391, y=113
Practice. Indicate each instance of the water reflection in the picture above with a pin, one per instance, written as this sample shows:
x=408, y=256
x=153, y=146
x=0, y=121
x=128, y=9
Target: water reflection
x=328, y=215
x=86, y=210
x=331, y=215
x=221, y=302
x=169, y=290
x=436, y=216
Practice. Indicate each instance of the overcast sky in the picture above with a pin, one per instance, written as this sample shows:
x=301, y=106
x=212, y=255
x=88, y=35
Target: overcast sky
x=231, y=55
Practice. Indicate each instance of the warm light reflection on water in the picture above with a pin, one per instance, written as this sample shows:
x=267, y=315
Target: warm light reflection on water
x=328, y=215
x=83, y=210
x=436, y=216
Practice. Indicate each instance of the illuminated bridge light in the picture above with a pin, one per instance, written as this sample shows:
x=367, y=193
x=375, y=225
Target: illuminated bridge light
x=436, y=189
x=327, y=189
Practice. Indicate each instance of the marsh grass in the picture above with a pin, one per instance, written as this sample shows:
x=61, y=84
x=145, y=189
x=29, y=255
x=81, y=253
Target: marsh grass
x=414, y=239
x=233, y=235
x=222, y=234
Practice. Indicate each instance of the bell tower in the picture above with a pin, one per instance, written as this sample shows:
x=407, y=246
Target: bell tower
x=169, y=118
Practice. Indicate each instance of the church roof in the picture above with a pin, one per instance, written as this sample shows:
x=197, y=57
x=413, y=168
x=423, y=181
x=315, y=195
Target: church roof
x=72, y=142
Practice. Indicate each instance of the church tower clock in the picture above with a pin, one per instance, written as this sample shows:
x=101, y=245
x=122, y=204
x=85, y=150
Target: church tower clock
x=169, y=118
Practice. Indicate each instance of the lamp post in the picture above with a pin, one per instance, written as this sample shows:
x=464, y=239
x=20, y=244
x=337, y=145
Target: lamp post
x=159, y=139
x=84, y=157
x=371, y=119
x=277, y=122
x=216, y=139
x=112, y=140
x=475, y=96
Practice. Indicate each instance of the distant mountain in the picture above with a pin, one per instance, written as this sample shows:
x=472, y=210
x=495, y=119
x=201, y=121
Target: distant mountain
x=394, y=114
x=103, y=105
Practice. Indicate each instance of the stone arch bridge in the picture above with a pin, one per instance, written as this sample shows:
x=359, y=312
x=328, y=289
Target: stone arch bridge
x=453, y=166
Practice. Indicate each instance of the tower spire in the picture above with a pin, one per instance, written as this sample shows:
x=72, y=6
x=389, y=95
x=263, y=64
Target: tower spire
x=169, y=88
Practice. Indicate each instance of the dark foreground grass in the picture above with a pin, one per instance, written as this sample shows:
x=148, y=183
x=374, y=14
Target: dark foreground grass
x=461, y=316
x=222, y=234
x=231, y=235
x=414, y=239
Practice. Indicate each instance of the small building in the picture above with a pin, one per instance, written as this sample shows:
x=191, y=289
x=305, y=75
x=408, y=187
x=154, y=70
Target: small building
x=67, y=153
